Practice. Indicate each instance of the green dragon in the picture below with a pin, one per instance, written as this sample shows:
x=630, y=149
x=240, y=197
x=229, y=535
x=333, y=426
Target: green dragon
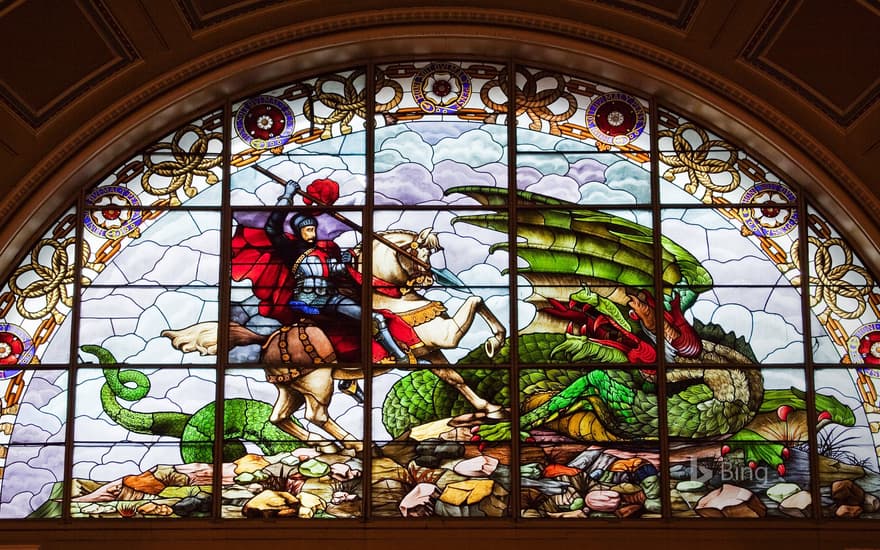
x=592, y=275
x=607, y=404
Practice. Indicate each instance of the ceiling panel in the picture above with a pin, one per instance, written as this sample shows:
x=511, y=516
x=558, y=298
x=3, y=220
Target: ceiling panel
x=676, y=13
x=204, y=13
x=45, y=66
x=835, y=68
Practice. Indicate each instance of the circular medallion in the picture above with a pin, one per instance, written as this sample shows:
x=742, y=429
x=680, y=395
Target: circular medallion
x=16, y=348
x=264, y=122
x=441, y=88
x=117, y=213
x=769, y=216
x=864, y=348
x=616, y=118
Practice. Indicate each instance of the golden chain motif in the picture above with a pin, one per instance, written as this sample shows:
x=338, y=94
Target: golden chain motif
x=14, y=391
x=696, y=162
x=186, y=164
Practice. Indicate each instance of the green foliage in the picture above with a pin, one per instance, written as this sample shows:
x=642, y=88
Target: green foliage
x=797, y=399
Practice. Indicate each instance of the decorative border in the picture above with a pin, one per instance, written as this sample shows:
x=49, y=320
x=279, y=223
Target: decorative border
x=798, y=139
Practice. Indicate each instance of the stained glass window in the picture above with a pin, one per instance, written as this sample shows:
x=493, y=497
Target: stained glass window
x=440, y=289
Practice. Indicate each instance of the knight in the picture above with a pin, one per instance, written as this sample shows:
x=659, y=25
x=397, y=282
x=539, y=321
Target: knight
x=317, y=266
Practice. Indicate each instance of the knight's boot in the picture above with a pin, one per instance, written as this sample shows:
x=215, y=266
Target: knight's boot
x=384, y=338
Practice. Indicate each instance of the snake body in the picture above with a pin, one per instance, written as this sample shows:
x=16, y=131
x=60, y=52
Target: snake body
x=244, y=419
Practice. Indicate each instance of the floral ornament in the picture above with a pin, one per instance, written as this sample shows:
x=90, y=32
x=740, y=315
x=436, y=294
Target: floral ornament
x=441, y=88
x=869, y=348
x=114, y=215
x=864, y=345
x=616, y=118
x=264, y=122
x=16, y=348
x=769, y=213
x=10, y=348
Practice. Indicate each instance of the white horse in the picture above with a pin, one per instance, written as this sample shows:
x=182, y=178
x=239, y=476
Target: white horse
x=401, y=260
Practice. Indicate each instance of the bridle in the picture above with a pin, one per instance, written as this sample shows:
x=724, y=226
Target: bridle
x=419, y=274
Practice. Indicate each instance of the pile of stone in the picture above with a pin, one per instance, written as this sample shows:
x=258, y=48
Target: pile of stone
x=304, y=483
x=851, y=501
x=176, y=491
x=439, y=477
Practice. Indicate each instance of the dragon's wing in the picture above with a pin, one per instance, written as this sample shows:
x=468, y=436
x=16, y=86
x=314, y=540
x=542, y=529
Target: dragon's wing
x=567, y=248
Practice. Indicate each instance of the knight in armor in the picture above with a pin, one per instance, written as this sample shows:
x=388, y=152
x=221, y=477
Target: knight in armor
x=316, y=267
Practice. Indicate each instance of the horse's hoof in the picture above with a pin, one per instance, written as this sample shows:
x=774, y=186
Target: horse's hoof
x=498, y=414
x=492, y=346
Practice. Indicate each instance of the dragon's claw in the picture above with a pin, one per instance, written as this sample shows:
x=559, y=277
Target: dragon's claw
x=756, y=450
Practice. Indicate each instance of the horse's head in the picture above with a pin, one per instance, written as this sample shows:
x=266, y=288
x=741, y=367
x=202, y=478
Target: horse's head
x=426, y=243
x=407, y=262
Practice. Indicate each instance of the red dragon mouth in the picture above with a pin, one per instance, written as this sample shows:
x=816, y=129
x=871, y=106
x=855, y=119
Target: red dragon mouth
x=587, y=321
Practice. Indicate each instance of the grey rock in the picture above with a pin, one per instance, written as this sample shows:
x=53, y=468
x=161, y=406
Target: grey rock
x=796, y=505
x=546, y=486
x=584, y=460
x=781, y=491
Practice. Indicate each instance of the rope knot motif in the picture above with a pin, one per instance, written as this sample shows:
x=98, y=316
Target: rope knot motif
x=697, y=162
x=185, y=163
x=537, y=104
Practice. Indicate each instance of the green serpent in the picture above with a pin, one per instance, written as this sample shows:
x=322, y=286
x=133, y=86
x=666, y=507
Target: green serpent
x=244, y=419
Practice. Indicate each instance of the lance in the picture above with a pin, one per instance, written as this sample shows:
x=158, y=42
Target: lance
x=444, y=276
x=423, y=264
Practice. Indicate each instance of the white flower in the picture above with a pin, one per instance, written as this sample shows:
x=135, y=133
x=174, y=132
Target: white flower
x=442, y=89
x=115, y=211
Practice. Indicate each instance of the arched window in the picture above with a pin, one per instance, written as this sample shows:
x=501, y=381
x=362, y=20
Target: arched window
x=440, y=288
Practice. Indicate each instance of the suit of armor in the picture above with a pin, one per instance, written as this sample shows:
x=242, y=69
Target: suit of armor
x=316, y=266
x=314, y=272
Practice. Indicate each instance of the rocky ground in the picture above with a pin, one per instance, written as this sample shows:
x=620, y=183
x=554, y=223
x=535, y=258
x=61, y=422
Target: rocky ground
x=436, y=470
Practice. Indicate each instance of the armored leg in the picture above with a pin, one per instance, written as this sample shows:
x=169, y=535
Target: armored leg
x=349, y=308
x=383, y=336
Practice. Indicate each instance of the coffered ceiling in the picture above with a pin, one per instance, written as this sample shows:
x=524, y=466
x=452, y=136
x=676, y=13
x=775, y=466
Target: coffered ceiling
x=67, y=63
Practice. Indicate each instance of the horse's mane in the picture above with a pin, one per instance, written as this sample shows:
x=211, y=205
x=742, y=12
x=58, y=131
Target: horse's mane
x=405, y=236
